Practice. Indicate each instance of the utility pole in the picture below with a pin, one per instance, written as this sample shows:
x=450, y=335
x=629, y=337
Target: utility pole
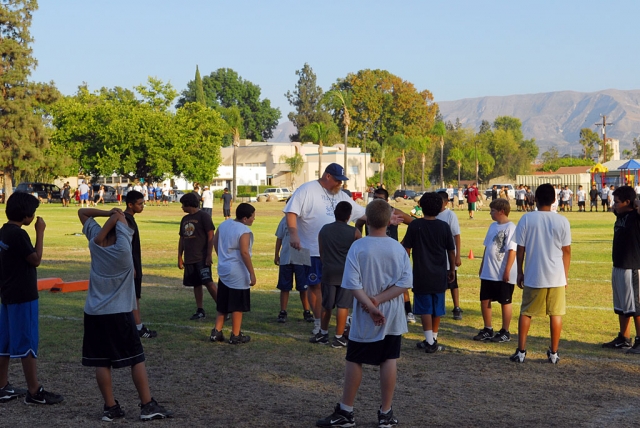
x=604, y=125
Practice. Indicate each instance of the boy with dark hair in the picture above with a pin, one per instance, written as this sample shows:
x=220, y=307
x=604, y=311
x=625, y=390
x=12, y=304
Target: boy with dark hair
x=227, y=203
x=432, y=243
x=110, y=336
x=593, y=197
x=544, y=241
x=233, y=241
x=378, y=320
x=19, y=299
x=626, y=263
x=196, y=243
x=135, y=204
x=287, y=271
x=498, y=271
x=451, y=219
x=334, y=241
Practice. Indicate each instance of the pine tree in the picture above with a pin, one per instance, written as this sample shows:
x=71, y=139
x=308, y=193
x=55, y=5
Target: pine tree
x=199, y=89
x=306, y=99
x=23, y=104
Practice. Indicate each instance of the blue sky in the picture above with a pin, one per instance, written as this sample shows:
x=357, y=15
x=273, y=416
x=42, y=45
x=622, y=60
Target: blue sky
x=455, y=49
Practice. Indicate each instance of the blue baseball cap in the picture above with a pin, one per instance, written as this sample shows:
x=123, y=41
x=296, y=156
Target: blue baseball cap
x=336, y=171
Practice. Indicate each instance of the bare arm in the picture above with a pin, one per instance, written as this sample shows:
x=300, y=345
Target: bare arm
x=109, y=224
x=369, y=306
x=215, y=242
x=389, y=294
x=361, y=222
x=456, y=239
x=451, y=276
x=276, y=257
x=511, y=257
x=358, y=234
x=35, y=258
x=86, y=213
x=520, y=252
x=210, y=237
x=566, y=260
x=245, y=240
x=320, y=247
x=406, y=218
x=292, y=224
x=180, y=252
x=482, y=262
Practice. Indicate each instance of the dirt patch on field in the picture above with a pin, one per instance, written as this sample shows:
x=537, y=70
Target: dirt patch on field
x=277, y=380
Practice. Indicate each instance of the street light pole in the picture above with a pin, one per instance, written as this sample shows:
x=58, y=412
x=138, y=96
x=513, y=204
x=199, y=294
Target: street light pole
x=476, y=151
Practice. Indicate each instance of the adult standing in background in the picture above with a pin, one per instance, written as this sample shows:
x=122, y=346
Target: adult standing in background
x=310, y=207
x=207, y=201
x=227, y=203
x=84, y=194
x=472, y=198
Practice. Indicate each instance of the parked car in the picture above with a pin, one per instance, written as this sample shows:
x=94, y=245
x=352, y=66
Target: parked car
x=511, y=191
x=282, y=193
x=42, y=189
x=175, y=195
x=110, y=194
x=404, y=194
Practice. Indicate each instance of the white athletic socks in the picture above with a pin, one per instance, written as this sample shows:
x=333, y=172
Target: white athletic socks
x=346, y=408
x=428, y=336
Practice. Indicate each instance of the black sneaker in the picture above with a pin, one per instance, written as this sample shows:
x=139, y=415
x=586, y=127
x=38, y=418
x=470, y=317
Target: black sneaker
x=339, y=342
x=308, y=317
x=457, y=313
x=339, y=418
x=113, y=412
x=501, y=336
x=620, y=342
x=43, y=397
x=239, y=339
x=144, y=332
x=9, y=393
x=388, y=420
x=199, y=315
x=553, y=357
x=432, y=349
x=282, y=317
x=216, y=336
x=484, y=334
x=518, y=356
x=319, y=338
x=152, y=410
x=422, y=345
x=635, y=349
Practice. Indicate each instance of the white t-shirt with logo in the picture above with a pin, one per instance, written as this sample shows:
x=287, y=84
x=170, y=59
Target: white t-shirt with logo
x=314, y=206
x=543, y=234
x=498, y=242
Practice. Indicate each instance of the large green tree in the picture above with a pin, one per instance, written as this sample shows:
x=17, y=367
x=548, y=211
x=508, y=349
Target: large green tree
x=225, y=88
x=589, y=140
x=307, y=100
x=111, y=131
x=24, y=105
x=384, y=105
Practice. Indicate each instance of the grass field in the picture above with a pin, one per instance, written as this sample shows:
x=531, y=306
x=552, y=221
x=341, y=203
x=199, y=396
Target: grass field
x=281, y=380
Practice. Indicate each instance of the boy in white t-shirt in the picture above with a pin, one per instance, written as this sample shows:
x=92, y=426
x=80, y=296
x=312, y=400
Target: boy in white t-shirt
x=544, y=241
x=233, y=241
x=582, y=198
x=498, y=271
x=378, y=319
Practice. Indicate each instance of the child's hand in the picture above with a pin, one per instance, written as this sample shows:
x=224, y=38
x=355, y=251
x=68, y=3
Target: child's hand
x=209, y=260
x=276, y=260
x=180, y=263
x=506, y=276
x=252, y=279
x=377, y=316
x=520, y=281
x=40, y=225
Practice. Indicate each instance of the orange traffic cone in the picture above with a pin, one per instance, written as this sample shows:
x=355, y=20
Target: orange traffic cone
x=471, y=255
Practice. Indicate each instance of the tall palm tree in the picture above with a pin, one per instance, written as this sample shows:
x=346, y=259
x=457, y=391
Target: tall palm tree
x=400, y=142
x=319, y=133
x=439, y=131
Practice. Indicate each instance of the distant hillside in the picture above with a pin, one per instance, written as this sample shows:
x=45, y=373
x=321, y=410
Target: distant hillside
x=282, y=132
x=555, y=118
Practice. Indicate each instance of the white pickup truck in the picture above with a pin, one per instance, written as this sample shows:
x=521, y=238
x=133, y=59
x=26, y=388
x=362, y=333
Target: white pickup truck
x=282, y=193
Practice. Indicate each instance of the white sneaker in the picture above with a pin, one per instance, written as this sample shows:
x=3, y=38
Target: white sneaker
x=411, y=319
x=518, y=356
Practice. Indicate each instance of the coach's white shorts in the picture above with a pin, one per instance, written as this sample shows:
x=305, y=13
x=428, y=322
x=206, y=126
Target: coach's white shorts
x=626, y=291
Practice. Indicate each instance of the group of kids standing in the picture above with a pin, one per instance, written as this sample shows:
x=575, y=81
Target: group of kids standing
x=534, y=255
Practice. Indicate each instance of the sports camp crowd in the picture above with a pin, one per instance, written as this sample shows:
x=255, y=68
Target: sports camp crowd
x=334, y=265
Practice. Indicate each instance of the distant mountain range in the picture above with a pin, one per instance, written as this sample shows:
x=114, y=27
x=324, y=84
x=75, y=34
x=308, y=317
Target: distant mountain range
x=555, y=118
x=552, y=118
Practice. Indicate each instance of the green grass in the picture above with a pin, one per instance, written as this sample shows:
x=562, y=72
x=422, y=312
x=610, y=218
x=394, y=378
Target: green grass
x=281, y=378
x=589, y=318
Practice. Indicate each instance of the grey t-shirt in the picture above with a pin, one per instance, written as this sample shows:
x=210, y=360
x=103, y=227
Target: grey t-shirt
x=111, y=282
